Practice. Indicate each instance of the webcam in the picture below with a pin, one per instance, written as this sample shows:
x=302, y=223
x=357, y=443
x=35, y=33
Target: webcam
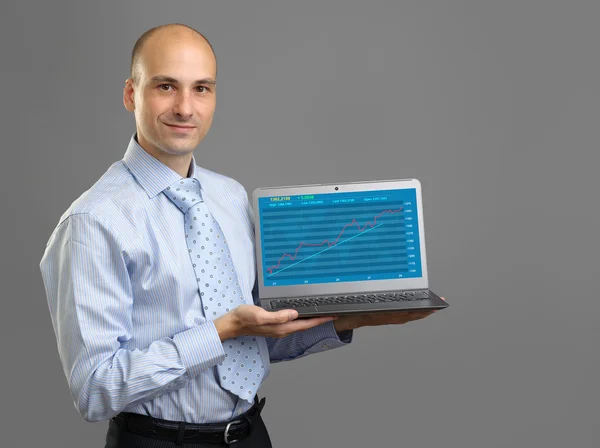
x=336, y=188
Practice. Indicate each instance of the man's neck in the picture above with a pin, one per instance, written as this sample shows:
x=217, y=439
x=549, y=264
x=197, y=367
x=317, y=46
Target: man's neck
x=181, y=164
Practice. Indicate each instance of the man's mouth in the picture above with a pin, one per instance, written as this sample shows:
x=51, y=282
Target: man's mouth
x=181, y=127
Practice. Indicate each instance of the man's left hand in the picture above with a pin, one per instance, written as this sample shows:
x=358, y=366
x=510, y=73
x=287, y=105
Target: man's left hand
x=350, y=322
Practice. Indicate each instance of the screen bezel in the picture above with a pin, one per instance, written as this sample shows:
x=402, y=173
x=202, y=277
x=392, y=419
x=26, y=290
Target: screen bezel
x=269, y=292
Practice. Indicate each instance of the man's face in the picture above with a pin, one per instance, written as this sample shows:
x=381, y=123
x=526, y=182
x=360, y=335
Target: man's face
x=174, y=97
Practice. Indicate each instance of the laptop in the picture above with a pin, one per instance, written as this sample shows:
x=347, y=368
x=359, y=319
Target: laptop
x=336, y=249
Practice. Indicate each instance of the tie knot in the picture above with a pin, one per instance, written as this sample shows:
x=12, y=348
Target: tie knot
x=184, y=193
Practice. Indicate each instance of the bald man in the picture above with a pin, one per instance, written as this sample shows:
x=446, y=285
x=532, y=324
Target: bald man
x=150, y=276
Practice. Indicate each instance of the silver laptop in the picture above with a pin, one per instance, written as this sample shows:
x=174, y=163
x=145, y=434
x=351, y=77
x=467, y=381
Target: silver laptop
x=334, y=249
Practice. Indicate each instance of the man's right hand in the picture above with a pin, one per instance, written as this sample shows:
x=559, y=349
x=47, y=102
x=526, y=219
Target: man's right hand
x=253, y=320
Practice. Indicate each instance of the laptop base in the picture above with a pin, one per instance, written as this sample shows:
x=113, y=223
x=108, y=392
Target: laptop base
x=432, y=302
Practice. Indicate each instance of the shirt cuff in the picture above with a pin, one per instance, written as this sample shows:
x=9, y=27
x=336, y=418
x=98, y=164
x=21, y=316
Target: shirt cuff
x=324, y=337
x=200, y=348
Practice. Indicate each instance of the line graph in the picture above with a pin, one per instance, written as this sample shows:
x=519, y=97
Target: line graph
x=270, y=270
x=330, y=244
x=374, y=234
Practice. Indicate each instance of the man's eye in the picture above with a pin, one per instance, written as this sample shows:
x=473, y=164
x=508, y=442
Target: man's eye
x=202, y=89
x=165, y=87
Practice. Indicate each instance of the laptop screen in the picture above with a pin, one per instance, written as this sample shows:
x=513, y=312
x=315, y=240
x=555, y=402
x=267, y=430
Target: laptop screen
x=339, y=237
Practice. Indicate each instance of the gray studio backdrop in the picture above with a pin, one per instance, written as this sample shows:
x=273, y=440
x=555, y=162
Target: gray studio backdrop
x=494, y=105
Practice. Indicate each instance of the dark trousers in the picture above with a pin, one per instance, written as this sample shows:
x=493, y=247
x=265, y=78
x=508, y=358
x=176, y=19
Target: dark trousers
x=119, y=438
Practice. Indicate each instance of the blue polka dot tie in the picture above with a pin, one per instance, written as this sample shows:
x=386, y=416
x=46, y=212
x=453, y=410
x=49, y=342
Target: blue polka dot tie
x=242, y=370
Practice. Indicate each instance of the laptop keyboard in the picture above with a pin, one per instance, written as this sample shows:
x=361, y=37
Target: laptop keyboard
x=349, y=299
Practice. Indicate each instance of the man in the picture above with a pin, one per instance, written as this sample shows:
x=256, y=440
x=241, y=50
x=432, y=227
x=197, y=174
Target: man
x=149, y=276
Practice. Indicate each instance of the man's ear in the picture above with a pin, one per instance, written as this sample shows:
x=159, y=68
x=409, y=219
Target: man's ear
x=128, y=97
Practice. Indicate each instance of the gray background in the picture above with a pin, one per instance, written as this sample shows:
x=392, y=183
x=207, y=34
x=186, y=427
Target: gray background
x=494, y=105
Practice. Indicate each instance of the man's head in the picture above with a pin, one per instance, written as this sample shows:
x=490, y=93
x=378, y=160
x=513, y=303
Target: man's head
x=171, y=90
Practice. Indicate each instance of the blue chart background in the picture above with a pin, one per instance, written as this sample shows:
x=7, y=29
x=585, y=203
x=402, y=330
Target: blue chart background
x=347, y=237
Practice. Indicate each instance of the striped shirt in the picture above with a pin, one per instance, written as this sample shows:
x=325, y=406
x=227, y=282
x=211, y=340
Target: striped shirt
x=125, y=304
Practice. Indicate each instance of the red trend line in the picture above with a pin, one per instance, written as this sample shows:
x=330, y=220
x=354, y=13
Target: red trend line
x=329, y=244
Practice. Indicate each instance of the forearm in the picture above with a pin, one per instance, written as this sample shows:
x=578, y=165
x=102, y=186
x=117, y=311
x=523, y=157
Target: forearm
x=314, y=340
x=127, y=377
x=91, y=304
x=301, y=343
x=295, y=345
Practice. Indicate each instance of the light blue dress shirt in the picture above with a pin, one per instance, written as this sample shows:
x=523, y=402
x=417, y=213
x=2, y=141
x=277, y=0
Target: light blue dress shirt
x=125, y=304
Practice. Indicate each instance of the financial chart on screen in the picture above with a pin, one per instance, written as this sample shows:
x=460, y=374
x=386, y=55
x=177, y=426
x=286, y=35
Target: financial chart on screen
x=339, y=237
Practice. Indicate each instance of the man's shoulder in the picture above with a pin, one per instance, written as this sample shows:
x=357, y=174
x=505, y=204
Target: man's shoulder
x=113, y=192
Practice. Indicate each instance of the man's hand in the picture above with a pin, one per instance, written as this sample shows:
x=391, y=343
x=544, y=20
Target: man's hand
x=350, y=322
x=253, y=320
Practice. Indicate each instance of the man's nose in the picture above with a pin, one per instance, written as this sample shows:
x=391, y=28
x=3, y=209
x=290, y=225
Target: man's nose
x=183, y=105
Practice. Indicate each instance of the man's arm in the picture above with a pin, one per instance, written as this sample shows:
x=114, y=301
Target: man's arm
x=302, y=343
x=318, y=339
x=90, y=299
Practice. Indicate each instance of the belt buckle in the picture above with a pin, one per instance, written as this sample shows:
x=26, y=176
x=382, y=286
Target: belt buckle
x=226, y=435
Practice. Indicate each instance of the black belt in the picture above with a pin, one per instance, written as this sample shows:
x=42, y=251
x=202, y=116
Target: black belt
x=180, y=432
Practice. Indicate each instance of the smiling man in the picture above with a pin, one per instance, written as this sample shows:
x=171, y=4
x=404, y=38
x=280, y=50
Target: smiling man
x=171, y=92
x=149, y=276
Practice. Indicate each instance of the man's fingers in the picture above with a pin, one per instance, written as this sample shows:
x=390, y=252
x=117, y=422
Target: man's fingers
x=277, y=317
x=283, y=329
x=304, y=324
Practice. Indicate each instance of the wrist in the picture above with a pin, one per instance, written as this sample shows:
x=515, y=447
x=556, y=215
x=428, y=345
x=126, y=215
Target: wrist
x=341, y=325
x=347, y=323
x=227, y=326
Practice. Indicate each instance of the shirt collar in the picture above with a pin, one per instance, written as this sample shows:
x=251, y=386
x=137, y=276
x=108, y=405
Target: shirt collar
x=153, y=175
